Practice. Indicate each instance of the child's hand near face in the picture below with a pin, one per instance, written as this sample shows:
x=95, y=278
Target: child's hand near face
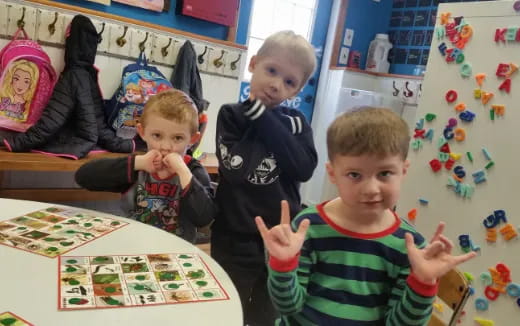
x=151, y=162
x=432, y=262
x=174, y=163
x=280, y=241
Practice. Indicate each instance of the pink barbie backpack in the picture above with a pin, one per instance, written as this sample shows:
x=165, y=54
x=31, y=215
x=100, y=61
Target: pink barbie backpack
x=27, y=80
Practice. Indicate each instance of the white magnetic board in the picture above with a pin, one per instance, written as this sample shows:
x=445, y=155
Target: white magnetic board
x=501, y=190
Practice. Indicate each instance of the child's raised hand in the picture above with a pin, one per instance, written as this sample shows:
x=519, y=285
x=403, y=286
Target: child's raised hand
x=432, y=262
x=150, y=162
x=174, y=162
x=281, y=242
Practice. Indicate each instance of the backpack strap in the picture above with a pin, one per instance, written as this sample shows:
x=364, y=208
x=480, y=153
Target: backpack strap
x=142, y=60
x=17, y=34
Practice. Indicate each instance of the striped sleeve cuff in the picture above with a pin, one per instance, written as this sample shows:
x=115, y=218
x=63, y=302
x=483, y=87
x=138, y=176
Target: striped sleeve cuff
x=296, y=124
x=254, y=110
x=283, y=266
x=424, y=289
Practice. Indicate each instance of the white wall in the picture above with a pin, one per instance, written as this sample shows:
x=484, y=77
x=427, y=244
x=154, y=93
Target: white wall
x=318, y=188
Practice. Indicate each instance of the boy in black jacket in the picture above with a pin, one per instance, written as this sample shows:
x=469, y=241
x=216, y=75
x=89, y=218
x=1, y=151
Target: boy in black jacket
x=164, y=187
x=265, y=150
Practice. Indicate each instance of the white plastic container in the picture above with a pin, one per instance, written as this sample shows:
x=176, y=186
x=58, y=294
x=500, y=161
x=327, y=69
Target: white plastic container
x=377, y=60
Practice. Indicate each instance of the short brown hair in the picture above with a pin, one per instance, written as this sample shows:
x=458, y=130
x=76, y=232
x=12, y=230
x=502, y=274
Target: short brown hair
x=368, y=130
x=174, y=105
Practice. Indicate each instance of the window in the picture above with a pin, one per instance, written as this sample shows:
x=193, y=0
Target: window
x=270, y=16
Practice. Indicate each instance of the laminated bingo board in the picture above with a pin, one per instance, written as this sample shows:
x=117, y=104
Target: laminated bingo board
x=465, y=151
x=135, y=280
x=54, y=231
x=10, y=319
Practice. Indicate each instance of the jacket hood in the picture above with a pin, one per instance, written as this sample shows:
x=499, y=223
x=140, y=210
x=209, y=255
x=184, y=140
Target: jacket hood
x=81, y=42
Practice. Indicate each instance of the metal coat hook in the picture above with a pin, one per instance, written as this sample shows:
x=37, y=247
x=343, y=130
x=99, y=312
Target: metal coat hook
x=100, y=37
x=52, y=26
x=408, y=92
x=21, y=23
x=234, y=63
x=200, y=58
x=121, y=41
x=164, y=49
x=396, y=90
x=142, y=46
x=218, y=61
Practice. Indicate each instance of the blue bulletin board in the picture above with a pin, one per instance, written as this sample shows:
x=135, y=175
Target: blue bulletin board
x=411, y=30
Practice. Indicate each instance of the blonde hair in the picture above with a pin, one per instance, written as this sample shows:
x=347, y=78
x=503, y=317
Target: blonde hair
x=173, y=105
x=133, y=87
x=301, y=51
x=6, y=89
x=368, y=130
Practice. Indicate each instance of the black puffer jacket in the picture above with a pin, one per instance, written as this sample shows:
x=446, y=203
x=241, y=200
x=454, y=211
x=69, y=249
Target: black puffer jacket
x=73, y=122
x=186, y=76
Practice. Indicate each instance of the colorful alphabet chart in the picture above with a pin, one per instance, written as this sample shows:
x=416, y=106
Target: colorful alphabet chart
x=9, y=319
x=54, y=231
x=98, y=282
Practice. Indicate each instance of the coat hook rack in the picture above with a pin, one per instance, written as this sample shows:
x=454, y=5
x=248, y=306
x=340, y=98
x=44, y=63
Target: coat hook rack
x=396, y=90
x=234, y=63
x=408, y=92
x=164, y=49
x=218, y=61
x=200, y=58
x=142, y=46
x=100, y=34
x=121, y=41
x=21, y=22
x=52, y=26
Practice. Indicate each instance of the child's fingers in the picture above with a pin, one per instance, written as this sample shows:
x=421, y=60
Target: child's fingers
x=457, y=260
x=279, y=234
x=410, y=245
x=287, y=230
x=261, y=227
x=448, y=244
x=302, y=228
x=285, y=216
x=436, y=248
x=438, y=232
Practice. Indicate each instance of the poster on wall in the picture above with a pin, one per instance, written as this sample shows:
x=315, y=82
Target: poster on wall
x=103, y=2
x=155, y=5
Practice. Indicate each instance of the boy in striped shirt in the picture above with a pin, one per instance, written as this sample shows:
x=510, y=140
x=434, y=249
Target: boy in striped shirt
x=351, y=260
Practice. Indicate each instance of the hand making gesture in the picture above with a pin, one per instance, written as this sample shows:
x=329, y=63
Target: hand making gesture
x=281, y=242
x=174, y=163
x=432, y=262
x=151, y=162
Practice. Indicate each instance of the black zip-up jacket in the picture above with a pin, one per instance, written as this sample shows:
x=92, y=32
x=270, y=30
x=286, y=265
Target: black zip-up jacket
x=264, y=155
x=73, y=122
x=186, y=76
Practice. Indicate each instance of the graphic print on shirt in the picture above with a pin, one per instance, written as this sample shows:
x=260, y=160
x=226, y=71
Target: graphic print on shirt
x=157, y=203
x=265, y=173
x=229, y=162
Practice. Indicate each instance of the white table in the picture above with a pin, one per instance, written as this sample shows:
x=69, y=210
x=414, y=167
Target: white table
x=29, y=282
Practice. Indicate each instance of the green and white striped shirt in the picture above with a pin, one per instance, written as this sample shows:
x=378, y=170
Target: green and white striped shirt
x=347, y=278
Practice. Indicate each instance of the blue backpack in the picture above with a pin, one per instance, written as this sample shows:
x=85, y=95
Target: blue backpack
x=138, y=82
